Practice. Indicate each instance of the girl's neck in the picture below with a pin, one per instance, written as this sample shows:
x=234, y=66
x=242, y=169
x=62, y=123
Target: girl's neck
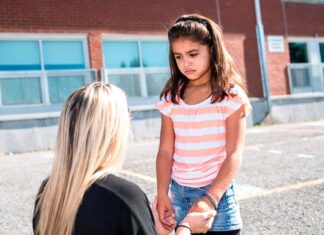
x=199, y=84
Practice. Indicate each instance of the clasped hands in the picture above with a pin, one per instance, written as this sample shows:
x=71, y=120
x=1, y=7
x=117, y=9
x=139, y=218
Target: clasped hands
x=199, y=219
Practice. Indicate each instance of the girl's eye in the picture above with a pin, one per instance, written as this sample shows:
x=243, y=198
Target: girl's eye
x=193, y=55
x=177, y=57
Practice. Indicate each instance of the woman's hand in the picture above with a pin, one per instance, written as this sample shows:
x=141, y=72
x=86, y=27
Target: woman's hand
x=160, y=229
x=198, y=222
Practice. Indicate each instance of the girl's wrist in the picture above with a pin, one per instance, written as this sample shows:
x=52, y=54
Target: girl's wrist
x=162, y=194
x=215, y=194
x=184, y=226
x=162, y=191
x=212, y=199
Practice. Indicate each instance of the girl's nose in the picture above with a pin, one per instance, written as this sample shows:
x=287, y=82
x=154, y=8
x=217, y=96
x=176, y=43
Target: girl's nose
x=187, y=63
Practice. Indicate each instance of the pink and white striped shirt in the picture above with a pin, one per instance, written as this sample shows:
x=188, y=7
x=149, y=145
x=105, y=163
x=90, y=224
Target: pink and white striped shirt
x=200, y=136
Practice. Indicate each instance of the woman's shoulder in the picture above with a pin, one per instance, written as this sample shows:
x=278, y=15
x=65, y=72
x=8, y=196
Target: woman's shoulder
x=121, y=187
x=136, y=207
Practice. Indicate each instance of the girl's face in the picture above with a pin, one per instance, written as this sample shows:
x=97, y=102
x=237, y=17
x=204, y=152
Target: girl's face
x=193, y=60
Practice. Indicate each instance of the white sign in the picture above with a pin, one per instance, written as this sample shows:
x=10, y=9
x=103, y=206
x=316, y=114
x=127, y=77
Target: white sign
x=276, y=44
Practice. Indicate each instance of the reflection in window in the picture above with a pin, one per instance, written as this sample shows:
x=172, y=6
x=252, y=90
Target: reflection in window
x=16, y=91
x=19, y=55
x=298, y=52
x=128, y=61
x=155, y=83
x=300, y=78
x=128, y=82
x=155, y=54
x=121, y=54
x=60, y=87
x=63, y=55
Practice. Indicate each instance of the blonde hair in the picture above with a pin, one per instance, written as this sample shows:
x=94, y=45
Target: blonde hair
x=91, y=143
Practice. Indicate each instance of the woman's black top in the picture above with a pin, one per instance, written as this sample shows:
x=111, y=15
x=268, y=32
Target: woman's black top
x=113, y=205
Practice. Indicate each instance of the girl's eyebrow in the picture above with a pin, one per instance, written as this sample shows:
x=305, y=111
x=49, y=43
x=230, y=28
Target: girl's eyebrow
x=188, y=52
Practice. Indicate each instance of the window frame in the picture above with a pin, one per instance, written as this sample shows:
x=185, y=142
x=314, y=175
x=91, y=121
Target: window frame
x=42, y=73
x=135, y=102
x=310, y=65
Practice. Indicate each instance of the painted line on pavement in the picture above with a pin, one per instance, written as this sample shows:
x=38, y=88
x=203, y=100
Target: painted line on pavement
x=283, y=189
x=275, y=151
x=261, y=193
x=255, y=147
x=142, y=144
x=140, y=176
x=305, y=156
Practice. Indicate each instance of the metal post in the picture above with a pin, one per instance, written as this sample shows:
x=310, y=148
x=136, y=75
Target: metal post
x=262, y=56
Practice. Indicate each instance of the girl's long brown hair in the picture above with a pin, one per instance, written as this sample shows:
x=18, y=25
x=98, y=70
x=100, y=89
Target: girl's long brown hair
x=205, y=31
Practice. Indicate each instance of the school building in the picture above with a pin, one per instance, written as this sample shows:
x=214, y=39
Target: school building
x=49, y=48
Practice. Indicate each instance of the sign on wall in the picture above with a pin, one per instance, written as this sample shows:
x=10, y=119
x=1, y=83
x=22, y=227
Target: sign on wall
x=276, y=44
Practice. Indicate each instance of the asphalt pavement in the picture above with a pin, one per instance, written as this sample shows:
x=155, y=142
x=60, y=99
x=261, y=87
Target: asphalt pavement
x=280, y=186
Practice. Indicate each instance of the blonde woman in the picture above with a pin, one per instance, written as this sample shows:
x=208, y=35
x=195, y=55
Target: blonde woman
x=83, y=195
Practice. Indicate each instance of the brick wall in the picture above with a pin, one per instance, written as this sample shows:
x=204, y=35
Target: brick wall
x=303, y=20
x=273, y=21
x=95, y=17
x=122, y=16
x=238, y=22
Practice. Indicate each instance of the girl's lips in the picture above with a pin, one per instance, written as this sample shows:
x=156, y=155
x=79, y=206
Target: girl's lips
x=190, y=72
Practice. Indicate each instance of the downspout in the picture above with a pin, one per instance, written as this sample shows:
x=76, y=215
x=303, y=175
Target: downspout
x=262, y=56
x=218, y=13
x=284, y=16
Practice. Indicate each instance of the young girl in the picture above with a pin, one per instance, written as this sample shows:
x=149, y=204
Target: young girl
x=203, y=127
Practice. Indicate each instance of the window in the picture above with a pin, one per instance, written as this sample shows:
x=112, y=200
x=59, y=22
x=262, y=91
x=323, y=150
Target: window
x=42, y=70
x=63, y=55
x=61, y=87
x=299, y=69
x=155, y=54
x=121, y=55
x=19, y=55
x=321, y=46
x=298, y=52
x=140, y=66
x=21, y=91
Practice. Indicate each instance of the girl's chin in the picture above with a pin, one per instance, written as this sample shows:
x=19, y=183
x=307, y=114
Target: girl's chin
x=192, y=77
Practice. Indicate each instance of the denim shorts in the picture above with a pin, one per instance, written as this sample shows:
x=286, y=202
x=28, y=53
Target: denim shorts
x=228, y=215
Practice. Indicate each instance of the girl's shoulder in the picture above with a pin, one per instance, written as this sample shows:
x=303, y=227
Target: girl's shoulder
x=165, y=105
x=236, y=99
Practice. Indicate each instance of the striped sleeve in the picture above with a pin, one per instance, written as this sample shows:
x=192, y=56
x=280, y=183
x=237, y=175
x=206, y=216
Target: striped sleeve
x=233, y=103
x=165, y=106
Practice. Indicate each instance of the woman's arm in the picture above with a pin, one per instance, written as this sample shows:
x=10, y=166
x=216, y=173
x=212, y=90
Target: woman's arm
x=164, y=163
x=235, y=139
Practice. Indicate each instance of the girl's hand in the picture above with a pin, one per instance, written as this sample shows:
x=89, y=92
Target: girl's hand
x=160, y=229
x=198, y=222
x=166, y=212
